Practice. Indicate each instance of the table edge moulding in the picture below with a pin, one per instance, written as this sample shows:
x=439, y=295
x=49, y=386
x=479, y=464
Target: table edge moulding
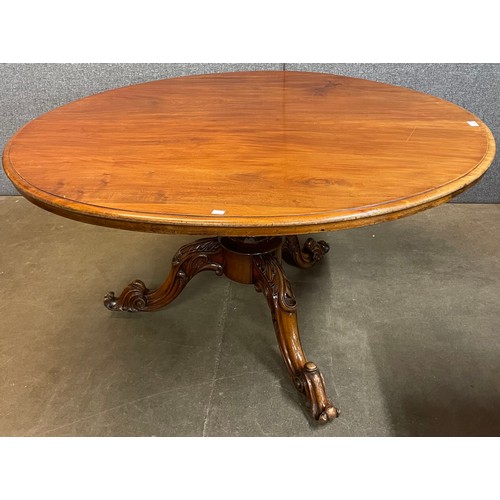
x=249, y=160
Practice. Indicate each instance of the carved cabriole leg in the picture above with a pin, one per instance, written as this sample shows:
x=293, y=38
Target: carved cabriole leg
x=191, y=259
x=245, y=260
x=270, y=279
x=304, y=257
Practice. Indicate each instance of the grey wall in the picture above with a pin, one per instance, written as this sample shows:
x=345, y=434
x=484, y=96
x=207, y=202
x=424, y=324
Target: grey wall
x=28, y=90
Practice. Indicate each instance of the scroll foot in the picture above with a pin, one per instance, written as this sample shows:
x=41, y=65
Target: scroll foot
x=305, y=257
x=314, y=387
x=132, y=299
x=191, y=259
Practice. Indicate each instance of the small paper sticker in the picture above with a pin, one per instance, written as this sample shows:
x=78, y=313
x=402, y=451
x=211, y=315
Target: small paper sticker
x=218, y=212
x=473, y=123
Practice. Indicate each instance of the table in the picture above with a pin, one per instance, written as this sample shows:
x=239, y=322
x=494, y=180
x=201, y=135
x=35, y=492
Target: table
x=250, y=161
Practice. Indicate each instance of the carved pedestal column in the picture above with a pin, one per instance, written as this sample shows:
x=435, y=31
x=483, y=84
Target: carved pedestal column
x=251, y=261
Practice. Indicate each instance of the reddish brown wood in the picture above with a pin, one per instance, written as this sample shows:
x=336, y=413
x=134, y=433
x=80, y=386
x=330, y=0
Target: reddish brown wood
x=256, y=154
x=277, y=152
x=305, y=257
x=249, y=261
x=239, y=253
x=270, y=279
x=191, y=259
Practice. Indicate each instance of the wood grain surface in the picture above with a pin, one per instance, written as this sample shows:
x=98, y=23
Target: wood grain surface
x=269, y=152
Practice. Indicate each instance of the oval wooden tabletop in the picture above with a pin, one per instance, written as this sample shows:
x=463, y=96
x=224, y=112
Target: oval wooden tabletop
x=255, y=153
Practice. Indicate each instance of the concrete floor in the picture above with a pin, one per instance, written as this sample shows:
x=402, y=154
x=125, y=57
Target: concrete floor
x=403, y=318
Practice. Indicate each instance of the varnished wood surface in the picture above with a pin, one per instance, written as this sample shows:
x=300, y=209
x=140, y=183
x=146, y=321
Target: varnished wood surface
x=278, y=152
x=254, y=261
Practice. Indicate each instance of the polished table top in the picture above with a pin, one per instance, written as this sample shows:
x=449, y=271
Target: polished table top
x=248, y=154
x=251, y=153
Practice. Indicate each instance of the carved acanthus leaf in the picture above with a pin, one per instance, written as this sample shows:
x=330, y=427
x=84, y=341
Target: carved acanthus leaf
x=273, y=283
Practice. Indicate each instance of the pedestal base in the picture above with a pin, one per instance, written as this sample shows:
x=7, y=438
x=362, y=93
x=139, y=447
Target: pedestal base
x=254, y=261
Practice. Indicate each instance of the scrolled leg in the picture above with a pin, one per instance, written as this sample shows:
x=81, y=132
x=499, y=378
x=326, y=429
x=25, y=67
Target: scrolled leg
x=191, y=259
x=305, y=257
x=270, y=279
